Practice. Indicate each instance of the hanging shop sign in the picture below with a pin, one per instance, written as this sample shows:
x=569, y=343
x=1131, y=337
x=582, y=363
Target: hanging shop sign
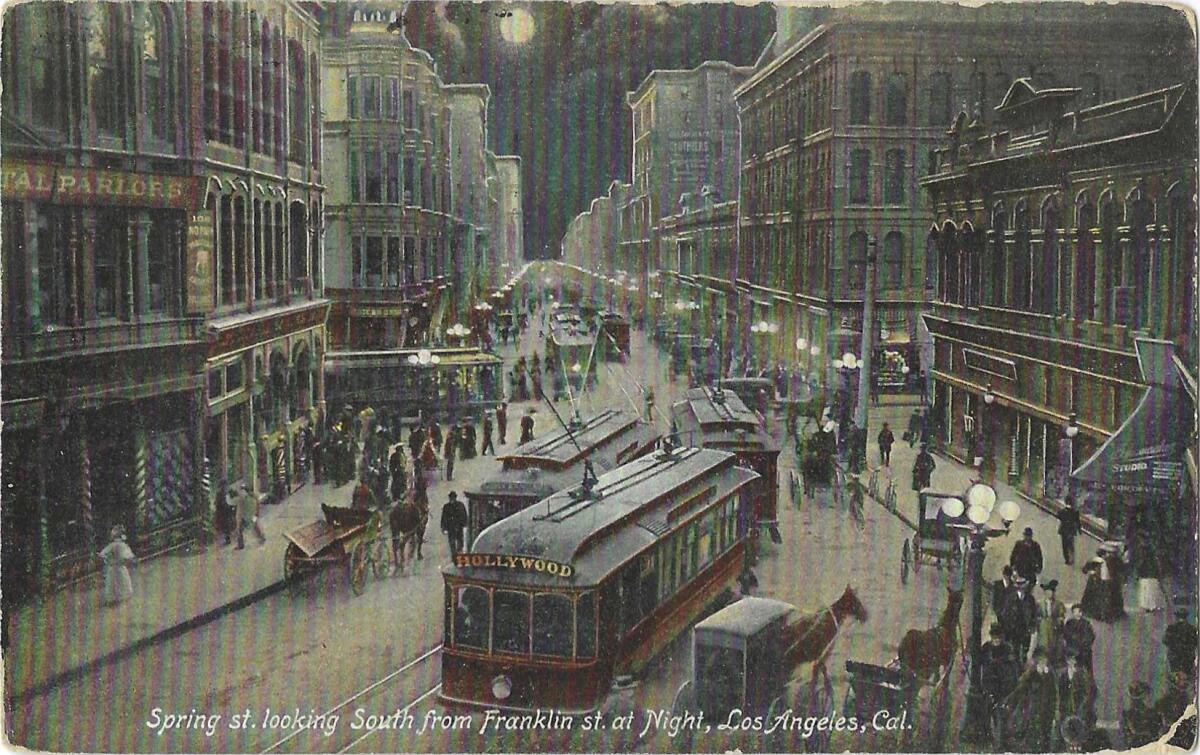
x=89, y=186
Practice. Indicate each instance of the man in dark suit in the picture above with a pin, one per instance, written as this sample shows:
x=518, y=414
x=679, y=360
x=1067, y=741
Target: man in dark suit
x=1068, y=529
x=1026, y=558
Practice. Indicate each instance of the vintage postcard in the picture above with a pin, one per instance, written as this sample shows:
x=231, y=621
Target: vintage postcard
x=564, y=377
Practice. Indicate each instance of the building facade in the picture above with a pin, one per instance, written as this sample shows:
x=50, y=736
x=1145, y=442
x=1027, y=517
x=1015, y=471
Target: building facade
x=838, y=125
x=510, y=229
x=161, y=200
x=1064, y=243
x=685, y=137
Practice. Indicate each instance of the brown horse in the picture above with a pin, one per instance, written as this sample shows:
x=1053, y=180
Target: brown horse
x=408, y=521
x=925, y=652
x=810, y=638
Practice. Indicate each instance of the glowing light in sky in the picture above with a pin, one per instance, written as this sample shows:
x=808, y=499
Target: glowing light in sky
x=517, y=27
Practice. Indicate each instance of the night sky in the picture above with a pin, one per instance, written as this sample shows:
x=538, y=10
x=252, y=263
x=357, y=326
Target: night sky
x=558, y=98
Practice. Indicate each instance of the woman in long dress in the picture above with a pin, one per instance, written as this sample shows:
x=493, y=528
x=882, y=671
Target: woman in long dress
x=1149, y=570
x=117, y=555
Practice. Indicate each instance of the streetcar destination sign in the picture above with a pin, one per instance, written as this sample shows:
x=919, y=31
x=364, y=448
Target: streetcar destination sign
x=513, y=563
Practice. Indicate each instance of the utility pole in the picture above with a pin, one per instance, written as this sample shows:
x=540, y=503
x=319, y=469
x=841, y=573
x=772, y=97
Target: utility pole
x=865, y=357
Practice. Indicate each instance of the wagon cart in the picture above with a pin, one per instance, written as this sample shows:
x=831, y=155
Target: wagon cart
x=346, y=536
x=937, y=539
x=874, y=688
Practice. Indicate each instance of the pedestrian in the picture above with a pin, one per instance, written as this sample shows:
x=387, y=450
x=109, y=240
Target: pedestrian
x=913, y=433
x=435, y=432
x=535, y=378
x=793, y=420
x=247, y=515
x=1018, y=617
x=1031, y=709
x=1078, y=636
x=467, y=439
x=416, y=441
x=886, y=439
x=487, y=436
x=316, y=460
x=448, y=452
x=117, y=556
x=1140, y=722
x=998, y=669
x=399, y=485
x=1181, y=641
x=649, y=404
x=526, y=428
x=1001, y=589
x=1102, y=595
x=922, y=471
x=428, y=462
x=1149, y=571
x=502, y=421
x=1171, y=706
x=1050, y=618
x=454, y=519
x=923, y=387
x=1026, y=558
x=1068, y=529
x=1077, y=693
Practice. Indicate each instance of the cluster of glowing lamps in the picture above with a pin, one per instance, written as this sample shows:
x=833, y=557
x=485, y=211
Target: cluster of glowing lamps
x=980, y=505
x=424, y=358
x=764, y=327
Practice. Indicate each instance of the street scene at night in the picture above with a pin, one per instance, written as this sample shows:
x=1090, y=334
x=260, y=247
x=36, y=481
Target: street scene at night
x=565, y=377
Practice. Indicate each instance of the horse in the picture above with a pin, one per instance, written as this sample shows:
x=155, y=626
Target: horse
x=809, y=639
x=408, y=521
x=925, y=652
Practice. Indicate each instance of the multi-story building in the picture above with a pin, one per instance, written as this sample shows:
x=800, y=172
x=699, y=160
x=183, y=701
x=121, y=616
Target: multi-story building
x=685, y=136
x=161, y=195
x=838, y=124
x=469, y=103
x=509, y=233
x=1064, y=249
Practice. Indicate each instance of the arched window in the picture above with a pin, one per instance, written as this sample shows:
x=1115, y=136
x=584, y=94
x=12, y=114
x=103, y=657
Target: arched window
x=893, y=262
x=156, y=68
x=1045, y=263
x=240, y=252
x=950, y=271
x=856, y=262
x=1110, y=253
x=38, y=41
x=932, y=261
x=860, y=98
x=939, y=100
x=860, y=176
x=896, y=102
x=1085, y=263
x=996, y=275
x=104, y=70
x=1021, y=261
x=896, y=177
x=1140, y=215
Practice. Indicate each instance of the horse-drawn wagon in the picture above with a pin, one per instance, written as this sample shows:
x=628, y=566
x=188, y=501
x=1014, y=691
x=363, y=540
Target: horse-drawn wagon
x=345, y=536
x=936, y=540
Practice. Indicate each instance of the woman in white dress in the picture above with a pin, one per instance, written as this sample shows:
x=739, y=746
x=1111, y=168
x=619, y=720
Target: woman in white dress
x=117, y=555
x=1149, y=573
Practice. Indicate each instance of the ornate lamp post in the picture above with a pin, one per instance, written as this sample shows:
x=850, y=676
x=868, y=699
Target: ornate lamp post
x=980, y=506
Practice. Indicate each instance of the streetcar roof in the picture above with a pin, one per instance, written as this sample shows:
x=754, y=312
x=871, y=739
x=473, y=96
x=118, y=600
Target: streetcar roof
x=705, y=416
x=556, y=450
x=745, y=618
x=630, y=508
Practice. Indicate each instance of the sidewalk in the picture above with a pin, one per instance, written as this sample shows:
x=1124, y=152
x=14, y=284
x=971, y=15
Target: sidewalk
x=70, y=632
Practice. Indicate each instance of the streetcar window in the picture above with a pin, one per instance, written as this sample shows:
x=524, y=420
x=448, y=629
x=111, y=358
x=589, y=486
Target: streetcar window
x=585, y=626
x=649, y=588
x=511, y=625
x=704, y=546
x=552, y=624
x=630, y=605
x=471, y=618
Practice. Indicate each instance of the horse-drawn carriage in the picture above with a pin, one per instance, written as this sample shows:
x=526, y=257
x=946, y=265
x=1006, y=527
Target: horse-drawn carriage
x=937, y=539
x=345, y=536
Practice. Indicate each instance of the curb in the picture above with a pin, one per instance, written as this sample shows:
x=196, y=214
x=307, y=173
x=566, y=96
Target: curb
x=72, y=674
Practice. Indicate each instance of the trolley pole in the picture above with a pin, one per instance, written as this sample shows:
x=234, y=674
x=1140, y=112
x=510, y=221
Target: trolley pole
x=859, y=454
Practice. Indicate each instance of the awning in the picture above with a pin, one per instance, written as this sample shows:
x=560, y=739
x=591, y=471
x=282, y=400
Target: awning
x=1146, y=453
x=338, y=361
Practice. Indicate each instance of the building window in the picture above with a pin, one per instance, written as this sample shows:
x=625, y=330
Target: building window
x=56, y=279
x=256, y=63
x=860, y=176
x=356, y=261
x=237, y=79
x=409, y=109
x=156, y=40
x=1085, y=263
x=226, y=257
x=896, y=175
x=111, y=244
x=43, y=33
x=939, y=100
x=393, y=178
x=1045, y=265
x=1021, y=260
x=299, y=101
x=856, y=262
x=410, y=260
x=370, y=97
x=998, y=274
x=393, y=261
x=896, y=102
x=893, y=261
x=314, y=111
x=352, y=97
x=264, y=96
x=161, y=253
x=355, y=195
x=409, y=178
x=393, y=99
x=374, y=175
x=860, y=98
x=224, y=74
x=374, y=273
x=211, y=78
x=104, y=70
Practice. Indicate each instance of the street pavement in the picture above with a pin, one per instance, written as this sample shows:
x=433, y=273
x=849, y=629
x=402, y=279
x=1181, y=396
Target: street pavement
x=824, y=549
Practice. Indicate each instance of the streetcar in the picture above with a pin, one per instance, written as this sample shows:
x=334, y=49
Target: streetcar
x=614, y=335
x=593, y=582
x=572, y=348
x=553, y=461
x=716, y=418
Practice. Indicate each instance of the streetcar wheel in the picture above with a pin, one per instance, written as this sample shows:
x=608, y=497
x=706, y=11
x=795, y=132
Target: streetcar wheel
x=905, y=559
x=358, y=569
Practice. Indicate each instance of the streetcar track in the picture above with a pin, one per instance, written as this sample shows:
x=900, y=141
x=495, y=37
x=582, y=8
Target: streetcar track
x=403, y=710
x=369, y=688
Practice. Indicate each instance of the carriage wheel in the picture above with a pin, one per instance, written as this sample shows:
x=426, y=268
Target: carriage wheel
x=358, y=569
x=293, y=567
x=381, y=558
x=905, y=560
x=916, y=554
x=820, y=705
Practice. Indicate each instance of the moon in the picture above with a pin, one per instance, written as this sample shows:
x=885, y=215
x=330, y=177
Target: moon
x=517, y=27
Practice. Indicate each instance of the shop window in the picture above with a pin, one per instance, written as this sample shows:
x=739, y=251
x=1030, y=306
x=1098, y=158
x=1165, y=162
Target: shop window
x=552, y=619
x=860, y=98
x=511, y=626
x=374, y=175
x=393, y=261
x=355, y=191
x=156, y=40
x=374, y=261
x=896, y=101
x=111, y=241
x=161, y=255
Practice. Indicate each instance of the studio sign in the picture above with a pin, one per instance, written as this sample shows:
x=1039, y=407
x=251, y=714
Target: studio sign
x=513, y=563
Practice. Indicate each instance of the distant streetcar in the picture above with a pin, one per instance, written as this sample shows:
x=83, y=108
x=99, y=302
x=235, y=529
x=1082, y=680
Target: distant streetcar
x=594, y=581
x=715, y=418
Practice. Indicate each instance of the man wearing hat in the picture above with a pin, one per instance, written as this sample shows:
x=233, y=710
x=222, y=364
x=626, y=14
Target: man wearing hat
x=1068, y=529
x=1140, y=722
x=454, y=519
x=1078, y=636
x=998, y=669
x=1032, y=706
x=247, y=515
x=1018, y=617
x=526, y=427
x=1077, y=693
x=1181, y=641
x=1051, y=616
x=1026, y=558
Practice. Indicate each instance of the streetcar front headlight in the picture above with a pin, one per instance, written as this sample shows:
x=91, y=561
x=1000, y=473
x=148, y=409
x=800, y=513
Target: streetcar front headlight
x=501, y=687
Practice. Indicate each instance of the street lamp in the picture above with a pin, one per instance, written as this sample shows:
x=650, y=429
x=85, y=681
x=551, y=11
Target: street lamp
x=1072, y=425
x=424, y=358
x=989, y=398
x=980, y=506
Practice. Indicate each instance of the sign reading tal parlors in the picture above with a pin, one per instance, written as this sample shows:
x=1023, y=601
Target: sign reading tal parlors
x=512, y=563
